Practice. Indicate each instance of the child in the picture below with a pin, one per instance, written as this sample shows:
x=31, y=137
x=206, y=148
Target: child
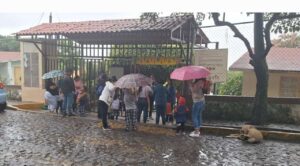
x=82, y=100
x=115, y=105
x=2, y=98
x=169, y=113
x=180, y=114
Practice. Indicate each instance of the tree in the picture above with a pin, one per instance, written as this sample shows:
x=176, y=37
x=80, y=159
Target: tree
x=287, y=40
x=281, y=22
x=277, y=23
x=9, y=43
x=233, y=85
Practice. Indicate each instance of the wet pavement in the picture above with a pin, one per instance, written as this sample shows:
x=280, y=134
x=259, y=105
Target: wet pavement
x=41, y=139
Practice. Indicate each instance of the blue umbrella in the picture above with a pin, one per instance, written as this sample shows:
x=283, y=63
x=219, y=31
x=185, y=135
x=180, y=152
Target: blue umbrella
x=53, y=74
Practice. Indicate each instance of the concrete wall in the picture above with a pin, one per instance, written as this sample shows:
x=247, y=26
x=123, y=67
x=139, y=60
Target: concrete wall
x=249, y=83
x=7, y=71
x=33, y=94
x=4, y=72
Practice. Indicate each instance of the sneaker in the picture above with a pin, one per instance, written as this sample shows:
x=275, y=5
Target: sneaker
x=107, y=128
x=194, y=134
x=178, y=133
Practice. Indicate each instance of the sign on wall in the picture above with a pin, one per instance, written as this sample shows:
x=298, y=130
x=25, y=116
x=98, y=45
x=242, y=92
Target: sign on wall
x=215, y=60
x=158, y=61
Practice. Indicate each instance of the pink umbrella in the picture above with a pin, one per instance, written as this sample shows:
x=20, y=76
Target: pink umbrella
x=133, y=81
x=189, y=73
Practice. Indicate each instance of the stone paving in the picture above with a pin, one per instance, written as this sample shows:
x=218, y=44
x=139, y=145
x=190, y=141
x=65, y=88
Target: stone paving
x=41, y=139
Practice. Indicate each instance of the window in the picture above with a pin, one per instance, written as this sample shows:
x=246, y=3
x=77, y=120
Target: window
x=31, y=70
x=289, y=86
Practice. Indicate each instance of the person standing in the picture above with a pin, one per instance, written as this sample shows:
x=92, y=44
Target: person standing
x=115, y=105
x=171, y=99
x=198, y=104
x=82, y=101
x=105, y=100
x=130, y=108
x=143, y=102
x=67, y=88
x=99, y=89
x=151, y=97
x=3, y=103
x=160, y=98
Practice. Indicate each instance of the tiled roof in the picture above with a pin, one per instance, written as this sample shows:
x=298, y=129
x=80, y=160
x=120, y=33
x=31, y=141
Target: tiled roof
x=126, y=30
x=278, y=59
x=125, y=25
x=9, y=56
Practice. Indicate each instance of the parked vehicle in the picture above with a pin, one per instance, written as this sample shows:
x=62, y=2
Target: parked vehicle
x=2, y=98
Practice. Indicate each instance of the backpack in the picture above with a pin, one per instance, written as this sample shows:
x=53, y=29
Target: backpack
x=99, y=90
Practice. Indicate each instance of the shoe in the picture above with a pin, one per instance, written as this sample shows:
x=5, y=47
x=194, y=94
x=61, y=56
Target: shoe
x=177, y=133
x=194, y=134
x=107, y=128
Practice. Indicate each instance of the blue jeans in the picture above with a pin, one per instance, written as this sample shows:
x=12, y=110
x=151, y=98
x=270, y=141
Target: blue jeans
x=197, y=109
x=68, y=103
x=160, y=111
x=142, y=105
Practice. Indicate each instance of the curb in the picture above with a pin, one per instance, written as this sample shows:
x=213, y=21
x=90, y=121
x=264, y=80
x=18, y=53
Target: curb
x=291, y=136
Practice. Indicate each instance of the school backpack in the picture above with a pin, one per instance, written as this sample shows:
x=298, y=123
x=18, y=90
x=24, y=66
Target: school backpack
x=99, y=90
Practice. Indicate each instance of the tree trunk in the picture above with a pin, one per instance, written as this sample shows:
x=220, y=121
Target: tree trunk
x=261, y=95
x=261, y=72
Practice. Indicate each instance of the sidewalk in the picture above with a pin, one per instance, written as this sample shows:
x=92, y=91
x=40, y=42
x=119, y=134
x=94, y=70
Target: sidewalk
x=283, y=132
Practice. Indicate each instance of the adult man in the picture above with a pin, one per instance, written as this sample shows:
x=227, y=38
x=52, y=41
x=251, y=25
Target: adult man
x=67, y=88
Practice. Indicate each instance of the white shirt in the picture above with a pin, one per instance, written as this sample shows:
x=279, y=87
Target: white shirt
x=107, y=93
x=146, y=90
x=51, y=100
x=115, y=105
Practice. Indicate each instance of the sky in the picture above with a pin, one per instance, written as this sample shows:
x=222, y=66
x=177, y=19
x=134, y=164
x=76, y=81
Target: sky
x=29, y=13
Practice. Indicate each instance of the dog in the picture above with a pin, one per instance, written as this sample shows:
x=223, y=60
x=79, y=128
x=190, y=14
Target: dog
x=248, y=133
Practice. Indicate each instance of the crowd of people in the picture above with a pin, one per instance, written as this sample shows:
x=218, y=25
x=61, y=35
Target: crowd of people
x=70, y=96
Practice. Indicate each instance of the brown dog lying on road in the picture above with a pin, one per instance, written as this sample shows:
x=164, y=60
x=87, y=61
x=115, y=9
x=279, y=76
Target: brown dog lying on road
x=249, y=134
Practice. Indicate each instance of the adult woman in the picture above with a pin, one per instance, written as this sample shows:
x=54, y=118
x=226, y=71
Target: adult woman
x=130, y=108
x=143, y=102
x=198, y=104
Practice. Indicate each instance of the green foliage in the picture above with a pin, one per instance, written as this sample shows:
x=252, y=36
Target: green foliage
x=287, y=40
x=233, y=85
x=291, y=24
x=9, y=43
x=150, y=16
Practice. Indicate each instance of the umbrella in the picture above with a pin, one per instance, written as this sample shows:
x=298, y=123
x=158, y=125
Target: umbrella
x=133, y=80
x=53, y=74
x=190, y=73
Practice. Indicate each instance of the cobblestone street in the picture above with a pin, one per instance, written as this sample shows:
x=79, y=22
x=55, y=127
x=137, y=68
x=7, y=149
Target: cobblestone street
x=41, y=139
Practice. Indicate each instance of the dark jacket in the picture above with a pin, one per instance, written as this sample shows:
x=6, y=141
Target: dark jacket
x=160, y=95
x=67, y=85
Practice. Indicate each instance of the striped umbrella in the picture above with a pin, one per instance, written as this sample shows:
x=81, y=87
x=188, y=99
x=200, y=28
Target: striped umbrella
x=133, y=81
x=53, y=74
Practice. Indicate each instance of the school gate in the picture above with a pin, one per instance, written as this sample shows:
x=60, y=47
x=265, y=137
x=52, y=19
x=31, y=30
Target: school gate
x=93, y=46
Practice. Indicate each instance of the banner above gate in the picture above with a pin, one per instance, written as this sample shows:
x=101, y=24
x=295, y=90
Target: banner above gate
x=158, y=61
